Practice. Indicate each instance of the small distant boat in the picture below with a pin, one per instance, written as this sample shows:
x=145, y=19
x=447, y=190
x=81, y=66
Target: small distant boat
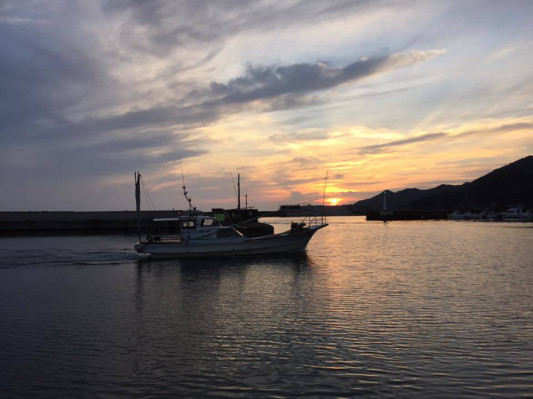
x=511, y=214
x=516, y=213
x=457, y=215
x=196, y=235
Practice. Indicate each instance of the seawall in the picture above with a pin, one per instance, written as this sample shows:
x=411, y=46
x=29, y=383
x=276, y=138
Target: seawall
x=98, y=222
x=406, y=215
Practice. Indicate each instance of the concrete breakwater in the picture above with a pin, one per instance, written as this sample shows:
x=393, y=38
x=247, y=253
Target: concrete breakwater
x=98, y=222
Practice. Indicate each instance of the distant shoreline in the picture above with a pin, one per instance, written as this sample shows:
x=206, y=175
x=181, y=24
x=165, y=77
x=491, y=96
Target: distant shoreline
x=21, y=222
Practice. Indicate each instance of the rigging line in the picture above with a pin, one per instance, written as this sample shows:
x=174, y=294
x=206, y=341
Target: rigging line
x=148, y=207
x=234, y=187
x=147, y=194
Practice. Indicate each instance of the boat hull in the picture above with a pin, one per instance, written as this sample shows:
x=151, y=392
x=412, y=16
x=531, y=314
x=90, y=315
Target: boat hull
x=289, y=242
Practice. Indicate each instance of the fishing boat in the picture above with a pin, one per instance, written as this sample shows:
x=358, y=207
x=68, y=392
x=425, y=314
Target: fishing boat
x=196, y=235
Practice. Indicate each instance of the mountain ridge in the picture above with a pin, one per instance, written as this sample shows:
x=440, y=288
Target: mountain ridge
x=506, y=186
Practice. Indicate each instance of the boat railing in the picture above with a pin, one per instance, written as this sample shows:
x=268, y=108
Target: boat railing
x=313, y=221
x=161, y=238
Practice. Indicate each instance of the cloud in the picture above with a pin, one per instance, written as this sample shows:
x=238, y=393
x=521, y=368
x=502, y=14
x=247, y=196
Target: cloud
x=101, y=161
x=308, y=135
x=268, y=84
x=157, y=27
x=304, y=163
x=372, y=149
x=62, y=81
x=262, y=82
x=40, y=80
x=505, y=128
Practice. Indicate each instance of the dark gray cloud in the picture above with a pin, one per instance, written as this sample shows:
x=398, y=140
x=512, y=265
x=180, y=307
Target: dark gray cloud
x=273, y=81
x=41, y=79
x=101, y=161
x=371, y=149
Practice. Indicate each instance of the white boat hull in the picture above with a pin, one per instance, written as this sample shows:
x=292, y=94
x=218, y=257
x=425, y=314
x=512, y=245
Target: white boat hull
x=294, y=241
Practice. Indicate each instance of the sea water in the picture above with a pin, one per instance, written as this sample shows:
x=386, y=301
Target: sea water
x=399, y=309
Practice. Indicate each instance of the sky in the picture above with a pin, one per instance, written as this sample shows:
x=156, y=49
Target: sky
x=376, y=94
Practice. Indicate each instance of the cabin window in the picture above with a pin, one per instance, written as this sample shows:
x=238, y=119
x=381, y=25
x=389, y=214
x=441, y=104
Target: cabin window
x=187, y=224
x=208, y=222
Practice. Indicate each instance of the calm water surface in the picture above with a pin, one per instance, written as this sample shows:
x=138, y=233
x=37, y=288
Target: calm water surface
x=404, y=309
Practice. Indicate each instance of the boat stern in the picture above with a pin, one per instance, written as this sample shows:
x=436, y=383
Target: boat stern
x=139, y=247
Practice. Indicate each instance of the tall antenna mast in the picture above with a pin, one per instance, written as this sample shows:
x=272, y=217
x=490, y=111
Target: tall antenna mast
x=324, y=199
x=239, y=191
x=191, y=208
x=138, y=202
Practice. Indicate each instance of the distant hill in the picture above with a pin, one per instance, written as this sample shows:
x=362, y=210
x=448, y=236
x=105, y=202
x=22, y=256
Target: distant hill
x=401, y=199
x=509, y=185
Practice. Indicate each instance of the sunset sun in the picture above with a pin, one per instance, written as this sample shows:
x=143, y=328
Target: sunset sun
x=333, y=201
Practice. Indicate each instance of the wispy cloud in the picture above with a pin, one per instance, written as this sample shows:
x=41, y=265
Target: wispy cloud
x=372, y=149
x=505, y=128
x=158, y=27
x=311, y=135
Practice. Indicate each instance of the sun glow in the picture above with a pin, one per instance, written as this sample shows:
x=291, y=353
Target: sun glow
x=334, y=201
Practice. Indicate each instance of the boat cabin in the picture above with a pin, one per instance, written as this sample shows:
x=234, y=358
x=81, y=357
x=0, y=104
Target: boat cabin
x=190, y=227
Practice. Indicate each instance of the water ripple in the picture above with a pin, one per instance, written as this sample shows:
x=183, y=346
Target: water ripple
x=431, y=309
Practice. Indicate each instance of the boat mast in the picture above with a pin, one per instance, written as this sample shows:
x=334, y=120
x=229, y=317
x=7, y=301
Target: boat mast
x=239, y=192
x=324, y=199
x=189, y=200
x=138, y=202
